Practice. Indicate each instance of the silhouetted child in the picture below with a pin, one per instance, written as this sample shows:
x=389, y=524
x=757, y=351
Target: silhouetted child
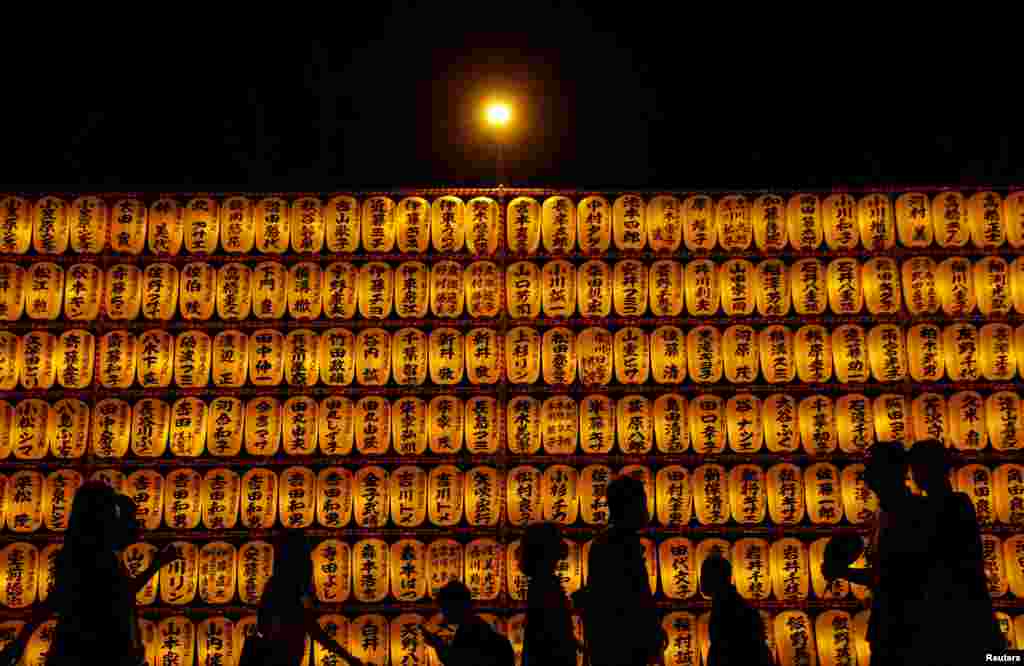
x=620, y=619
x=959, y=603
x=736, y=632
x=475, y=643
x=549, y=638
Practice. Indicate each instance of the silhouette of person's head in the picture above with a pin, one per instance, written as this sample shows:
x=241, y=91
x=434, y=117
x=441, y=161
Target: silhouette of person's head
x=930, y=464
x=886, y=469
x=715, y=575
x=92, y=523
x=455, y=602
x=541, y=549
x=627, y=502
x=129, y=529
x=294, y=558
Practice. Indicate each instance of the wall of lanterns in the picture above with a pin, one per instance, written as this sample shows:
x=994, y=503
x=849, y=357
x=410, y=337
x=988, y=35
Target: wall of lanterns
x=412, y=378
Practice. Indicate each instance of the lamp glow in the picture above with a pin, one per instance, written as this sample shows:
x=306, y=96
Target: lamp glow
x=498, y=114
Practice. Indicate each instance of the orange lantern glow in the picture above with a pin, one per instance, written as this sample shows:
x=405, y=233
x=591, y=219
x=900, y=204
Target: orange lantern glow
x=967, y=428
x=179, y=580
x=255, y=567
x=594, y=286
x=446, y=424
x=523, y=225
x=16, y=230
x=50, y=229
x=334, y=497
x=371, y=496
x=67, y=428
x=117, y=356
x=785, y=494
x=341, y=224
x=707, y=424
x=82, y=293
x=198, y=291
x=703, y=288
x=711, y=495
x=824, y=501
x=44, y=287
x=258, y=494
x=809, y=287
x=482, y=280
x=160, y=286
x=743, y=419
x=632, y=356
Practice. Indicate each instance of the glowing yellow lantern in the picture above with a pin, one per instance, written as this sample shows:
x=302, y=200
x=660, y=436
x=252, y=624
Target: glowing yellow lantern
x=592, y=487
x=483, y=425
x=835, y=638
x=558, y=289
x=920, y=285
x=445, y=487
x=39, y=643
x=785, y=494
x=816, y=418
x=966, y=421
x=160, y=286
x=334, y=497
x=371, y=496
x=269, y=289
x=840, y=222
x=337, y=357
x=217, y=565
x=10, y=360
x=412, y=290
x=234, y=292
x=668, y=355
x=409, y=425
x=446, y=356
x=704, y=354
x=215, y=641
x=372, y=425
x=192, y=359
x=368, y=639
x=46, y=576
x=559, y=356
x=1003, y=417
x=930, y=418
x=482, y=214
x=914, y=220
x=444, y=563
x=700, y=231
x=44, y=287
x=955, y=282
x=484, y=559
x=747, y=494
x=262, y=426
x=594, y=223
x=12, y=291
x=75, y=356
x=708, y=430
x=1006, y=627
x=201, y=225
x=307, y=227
x=737, y=284
x=297, y=497
x=305, y=290
x=845, y=287
x=59, y=489
x=595, y=348
x=998, y=356
x=770, y=221
x=776, y=353
x=179, y=580
x=198, y=291
x=376, y=291
x=751, y=560
x=165, y=231
x=332, y=571
x=976, y=482
x=992, y=286
x=813, y=350
x=809, y=287
x=560, y=499
x=484, y=360
x=850, y=354
x=82, y=291
x=525, y=501
x=255, y=566
x=671, y=423
x=67, y=429
x=824, y=494
x=16, y=228
x=482, y=280
x=50, y=229
x=446, y=225
x=855, y=424
x=594, y=288
x=183, y=499
x=839, y=588
x=630, y=282
x=272, y=228
x=632, y=356
x=735, y=229
x=711, y=494
x=124, y=292
x=225, y=426
x=790, y=570
x=773, y=293
x=523, y=355
x=111, y=428
x=881, y=280
x=408, y=491
x=188, y=428
x=803, y=223
x=926, y=360
x=859, y=502
x=137, y=558
x=117, y=356
x=301, y=358
x=219, y=496
x=1013, y=556
x=341, y=224
x=985, y=220
x=676, y=557
x=558, y=225
x=960, y=343
x=628, y=222
x=89, y=219
x=743, y=420
x=740, y=354
x=995, y=567
x=266, y=357
x=703, y=288
x=237, y=227
x=876, y=222
x=1009, y=481
x=340, y=290
x=523, y=226
x=597, y=423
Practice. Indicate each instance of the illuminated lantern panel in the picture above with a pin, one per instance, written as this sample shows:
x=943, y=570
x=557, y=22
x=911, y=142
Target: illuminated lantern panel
x=410, y=379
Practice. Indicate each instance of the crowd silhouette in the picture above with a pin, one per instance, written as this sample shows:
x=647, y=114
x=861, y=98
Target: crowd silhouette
x=930, y=601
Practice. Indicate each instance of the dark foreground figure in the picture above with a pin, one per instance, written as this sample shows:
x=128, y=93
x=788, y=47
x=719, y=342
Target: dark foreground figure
x=736, y=632
x=475, y=642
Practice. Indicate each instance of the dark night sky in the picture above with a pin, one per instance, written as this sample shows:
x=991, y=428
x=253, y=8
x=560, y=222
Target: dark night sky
x=645, y=100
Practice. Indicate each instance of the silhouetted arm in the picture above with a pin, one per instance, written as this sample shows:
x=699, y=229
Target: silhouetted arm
x=166, y=556
x=317, y=633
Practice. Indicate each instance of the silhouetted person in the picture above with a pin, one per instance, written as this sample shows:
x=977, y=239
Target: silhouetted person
x=957, y=590
x=896, y=575
x=286, y=615
x=549, y=639
x=475, y=643
x=620, y=619
x=736, y=632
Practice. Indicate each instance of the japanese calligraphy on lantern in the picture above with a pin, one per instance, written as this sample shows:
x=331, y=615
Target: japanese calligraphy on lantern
x=769, y=221
x=955, y=281
x=165, y=230
x=371, y=496
x=840, y=222
x=823, y=494
x=373, y=357
x=949, y=217
x=262, y=426
x=307, y=228
x=236, y=225
x=50, y=229
x=634, y=425
x=803, y=224
x=82, y=291
x=482, y=226
x=776, y=353
x=160, y=286
x=446, y=225
x=992, y=285
x=559, y=356
x=111, y=428
x=711, y=494
x=482, y=281
x=859, y=503
x=926, y=360
x=704, y=354
x=217, y=567
x=522, y=282
x=446, y=290
x=15, y=225
x=928, y=412
x=597, y=424
x=332, y=571
x=341, y=224
x=1003, y=418
x=702, y=288
x=220, y=494
x=75, y=355
x=372, y=425
x=445, y=495
x=666, y=288
x=960, y=344
x=967, y=428
x=179, y=580
x=880, y=277
x=340, y=290
x=785, y=486
x=747, y=496
x=751, y=558
x=914, y=220
x=850, y=354
x=671, y=423
x=523, y=355
x=409, y=425
x=743, y=419
x=201, y=225
x=558, y=225
x=737, y=285
x=446, y=356
x=408, y=490
x=773, y=297
x=58, y=491
x=12, y=291
x=523, y=225
x=334, y=497
x=20, y=563
x=255, y=566
x=258, y=498
x=44, y=287
x=875, y=219
x=985, y=220
x=482, y=425
x=845, y=289
x=632, y=358
x=855, y=423
x=483, y=497
x=558, y=289
x=375, y=290
x=299, y=426
x=664, y=223
x=67, y=428
x=446, y=424
x=117, y=357
x=809, y=287
x=296, y=497
x=272, y=232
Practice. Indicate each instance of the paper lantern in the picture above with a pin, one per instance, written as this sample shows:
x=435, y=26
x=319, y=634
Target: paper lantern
x=16, y=228
x=594, y=288
x=58, y=492
x=630, y=282
x=703, y=635
x=632, y=358
x=747, y=494
x=523, y=225
x=111, y=477
x=269, y=290
x=628, y=222
x=708, y=547
x=76, y=351
x=893, y=419
x=484, y=497
x=446, y=355
x=334, y=497
x=340, y=290
x=201, y=225
x=738, y=287
x=559, y=356
x=735, y=229
x=967, y=428
x=992, y=286
x=19, y=564
x=995, y=566
x=218, y=563
x=743, y=418
x=378, y=222
x=245, y=627
x=224, y=427
x=850, y=354
x=230, y=359
x=484, y=559
x=305, y=290
x=28, y=429
x=751, y=558
x=301, y=358
x=1003, y=418
x=840, y=222
x=876, y=221
x=823, y=488
x=165, y=233
x=188, y=427
x=237, y=230
x=769, y=221
x=447, y=292
x=198, y=291
x=146, y=488
x=666, y=288
x=700, y=231
x=12, y=291
x=926, y=361
x=711, y=494
x=483, y=356
x=635, y=425
x=559, y=493
x=1013, y=557
x=341, y=224
x=881, y=279
x=38, y=366
x=297, y=497
x=955, y=282
x=83, y=290
x=930, y=419
x=138, y=557
x=10, y=360
x=234, y=292
x=985, y=220
x=704, y=354
x=332, y=571
x=592, y=487
x=44, y=286
x=255, y=567
x=523, y=355
x=192, y=359
x=46, y=576
x=337, y=357
x=773, y=295
x=409, y=424
x=702, y=288
x=813, y=350
x=976, y=482
x=817, y=425
x=179, y=579
x=445, y=416
x=50, y=228
x=1009, y=495
x=525, y=500
x=307, y=227
x=664, y=224
x=482, y=280
x=445, y=224
x=779, y=415
x=1014, y=211
x=160, y=286
x=860, y=629
x=776, y=352
x=39, y=643
x=855, y=423
x=558, y=289
x=671, y=423
x=373, y=425
x=809, y=287
x=444, y=563
x=117, y=356
x=595, y=348
x=373, y=357
x=594, y=224
x=376, y=292
x=785, y=494
x=111, y=428
x=370, y=488
x=998, y=356
x=368, y=639
x=835, y=638
x=183, y=499
x=597, y=424
x=481, y=224
x=740, y=354
x=215, y=641
x=483, y=425
x=914, y=220
x=790, y=571
x=839, y=589
x=859, y=502
x=845, y=287
x=960, y=343
x=219, y=496
x=676, y=558
x=1006, y=626
x=707, y=424
x=408, y=491
x=67, y=429
x=920, y=288
x=123, y=293
x=258, y=499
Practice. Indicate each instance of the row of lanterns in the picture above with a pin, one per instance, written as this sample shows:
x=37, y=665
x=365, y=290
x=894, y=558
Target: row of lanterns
x=446, y=289
x=593, y=224
x=559, y=425
x=409, y=570
x=409, y=496
x=375, y=357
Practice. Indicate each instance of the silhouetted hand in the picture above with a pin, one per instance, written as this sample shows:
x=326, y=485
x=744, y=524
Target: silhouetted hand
x=168, y=554
x=431, y=639
x=832, y=570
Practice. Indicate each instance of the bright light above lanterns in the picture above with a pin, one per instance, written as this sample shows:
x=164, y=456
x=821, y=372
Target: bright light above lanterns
x=498, y=114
